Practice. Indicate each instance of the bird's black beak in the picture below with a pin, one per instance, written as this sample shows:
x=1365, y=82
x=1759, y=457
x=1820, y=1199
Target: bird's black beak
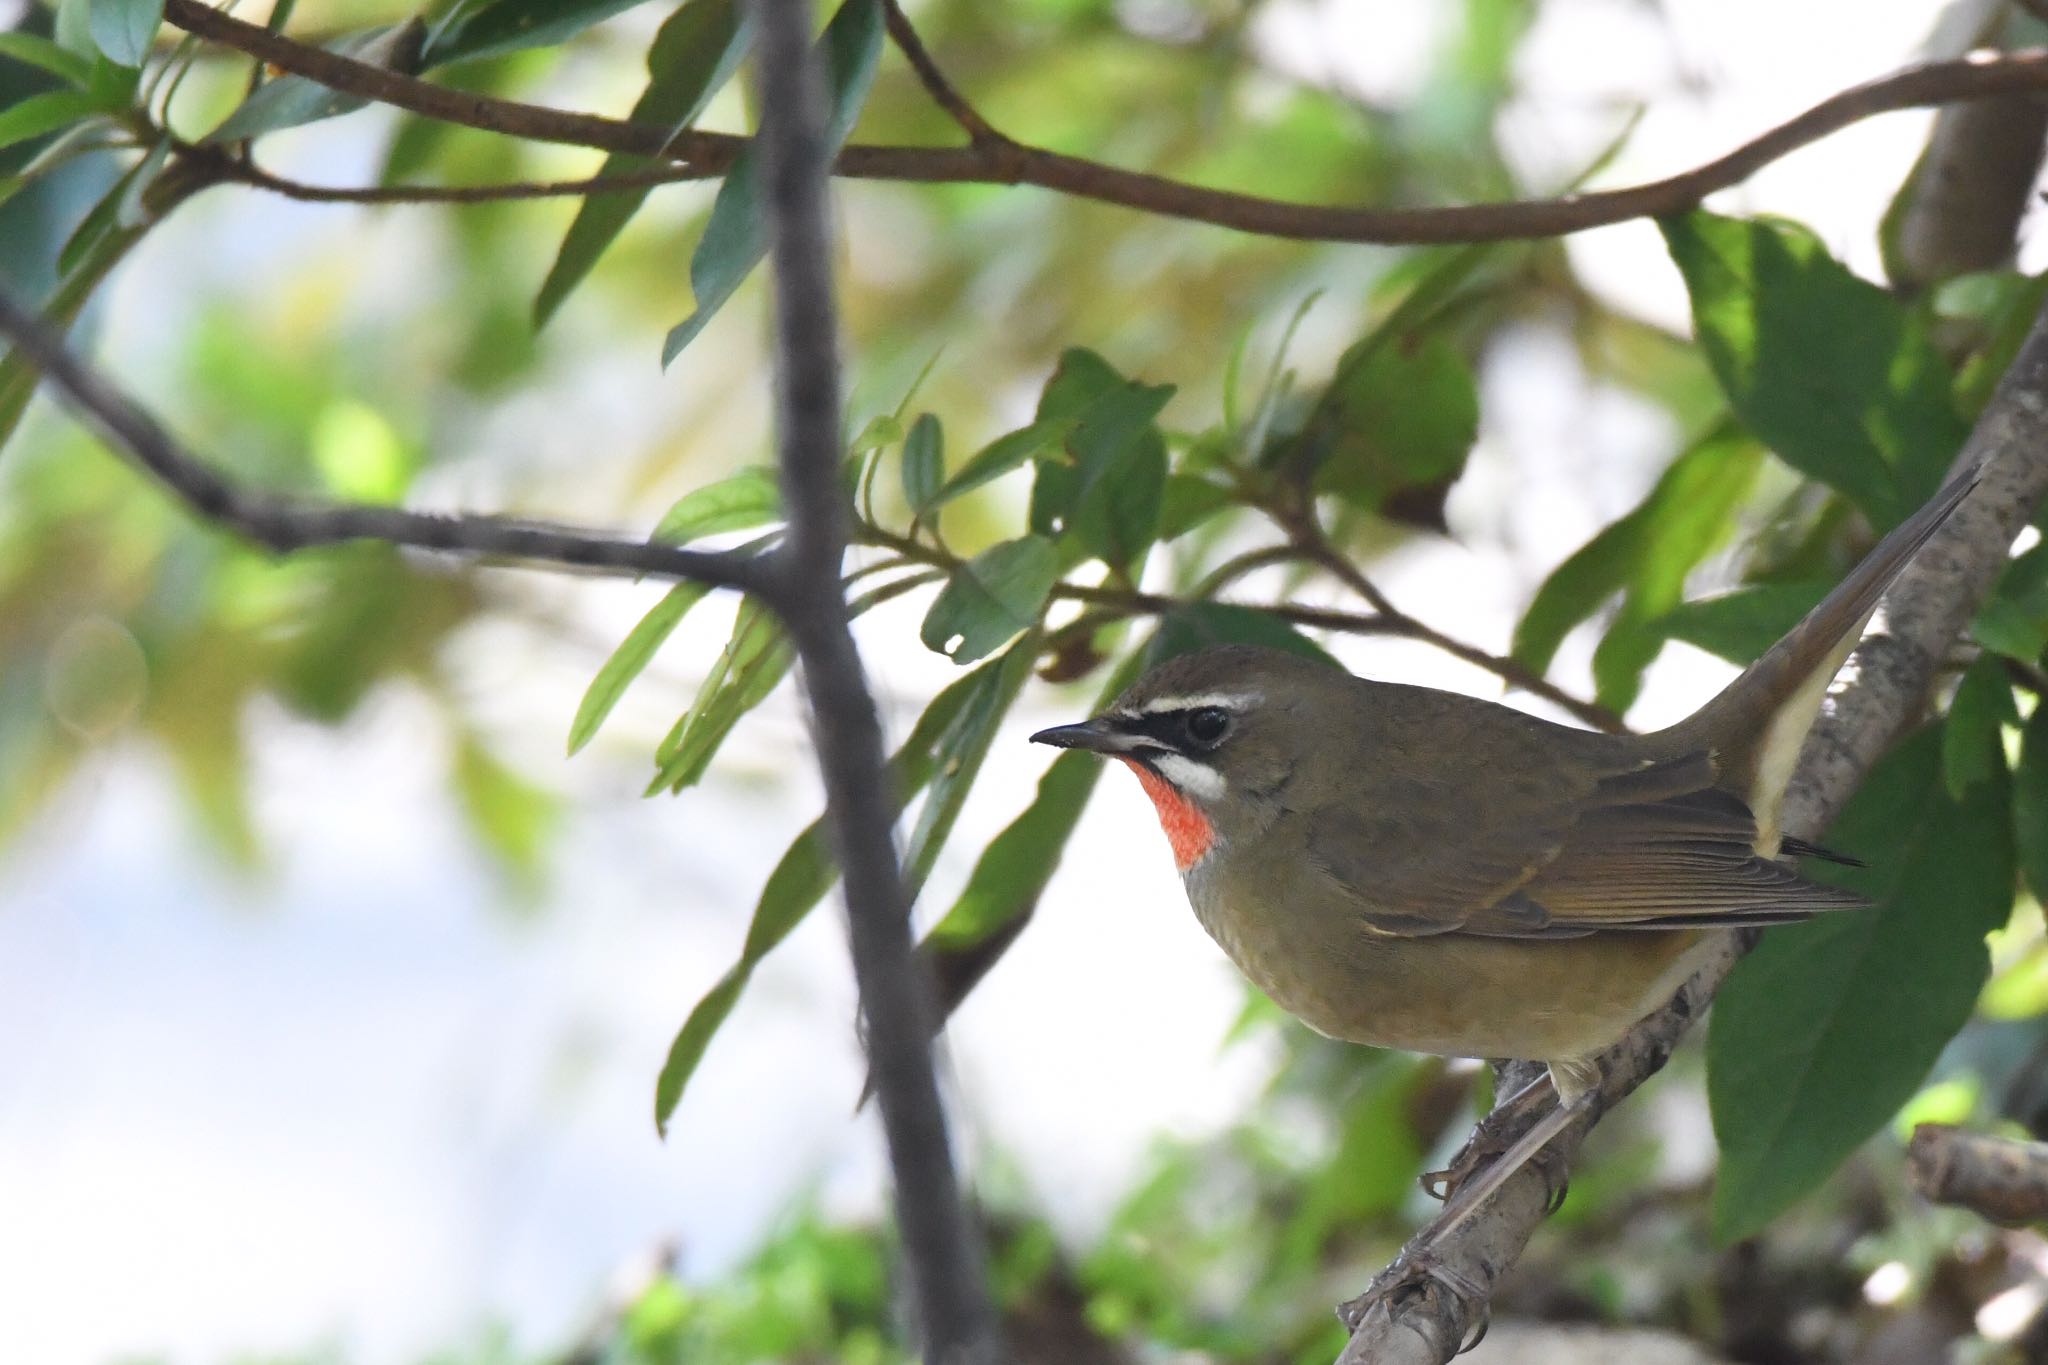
x=1089, y=734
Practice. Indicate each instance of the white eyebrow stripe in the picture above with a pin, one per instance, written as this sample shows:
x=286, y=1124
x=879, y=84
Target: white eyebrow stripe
x=1233, y=702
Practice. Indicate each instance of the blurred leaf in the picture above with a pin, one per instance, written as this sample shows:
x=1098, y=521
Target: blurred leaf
x=44, y=113
x=924, y=464
x=1830, y=1025
x=2014, y=620
x=738, y=502
x=959, y=752
x=124, y=29
x=1740, y=625
x=496, y=27
x=1111, y=498
x=733, y=241
x=693, y=55
x=632, y=656
x=2030, y=803
x=293, y=101
x=513, y=817
x=1973, y=742
x=1645, y=556
x=1185, y=502
x=1007, y=452
x=799, y=881
x=1370, y=1174
x=66, y=66
x=1835, y=375
x=1404, y=417
x=1202, y=624
x=990, y=598
x=2007, y=317
x=755, y=659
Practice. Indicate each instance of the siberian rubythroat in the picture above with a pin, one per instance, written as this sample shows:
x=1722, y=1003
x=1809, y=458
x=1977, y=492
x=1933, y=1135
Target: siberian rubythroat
x=1416, y=869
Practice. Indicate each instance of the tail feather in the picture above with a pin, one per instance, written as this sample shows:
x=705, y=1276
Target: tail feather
x=1755, y=727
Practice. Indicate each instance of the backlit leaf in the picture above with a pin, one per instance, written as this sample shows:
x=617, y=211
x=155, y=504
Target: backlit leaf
x=998, y=593
x=737, y=502
x=630, y=659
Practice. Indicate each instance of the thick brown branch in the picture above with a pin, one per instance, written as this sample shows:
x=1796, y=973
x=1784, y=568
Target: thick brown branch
x=2001, y=1179
x=283, y=523
x=1888, y=679
x=1006, y=162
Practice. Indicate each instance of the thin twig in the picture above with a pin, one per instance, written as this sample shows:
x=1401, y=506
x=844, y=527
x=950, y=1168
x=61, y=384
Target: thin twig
x=943, y=93
x=284, y=523
x=240, y=171
x=941, y=1249
x=1007, y=162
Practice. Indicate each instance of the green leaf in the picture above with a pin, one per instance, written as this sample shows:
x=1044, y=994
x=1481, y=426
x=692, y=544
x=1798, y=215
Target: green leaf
x=990, y=598
x=629, y=659
x=693, y=55
x=1645, y=556
x=755, y=659
x=1830, y=371
x=292, y=101
x=2030, y=803
x=1973, y=740
x=1110, y=501
x=2014, y=621
x=1007, y=452
x=1186, y=502
x=736, y=503
x=44, y=113
x=733, y=241
x=513, y=817
x=799, y=881
x=1829, y=1026
x=497, y=27
x=1403, y=418
x=66, y=66
x=123, y=29
x=960, y=752
x=924, y=464
x=1200, y=625
x=1740, y=625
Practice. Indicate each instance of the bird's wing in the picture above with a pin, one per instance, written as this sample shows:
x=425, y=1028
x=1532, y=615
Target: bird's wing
x=1657, y=847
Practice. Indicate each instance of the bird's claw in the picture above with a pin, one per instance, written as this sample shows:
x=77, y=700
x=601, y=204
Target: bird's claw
x=1421, y=1272
x=1492, y=1137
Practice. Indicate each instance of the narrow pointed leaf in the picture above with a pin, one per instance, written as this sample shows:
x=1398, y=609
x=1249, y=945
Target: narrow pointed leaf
x=961, y=750
x=501, y=26
x=756, y=659
x=738, y=502
x=693, y=55
x=799, y=881
x=733, y=241
x=44, y=113
x=630, y=659
x=924, y=464
x=65, y=65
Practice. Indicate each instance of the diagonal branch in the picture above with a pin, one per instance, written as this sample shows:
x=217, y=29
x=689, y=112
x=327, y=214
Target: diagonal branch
x=285, y=523
x=944, y=94
x=1889, y=677
x=1005, y=162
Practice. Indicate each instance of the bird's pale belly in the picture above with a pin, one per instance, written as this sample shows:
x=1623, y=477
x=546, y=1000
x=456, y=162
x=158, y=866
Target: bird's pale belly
x=1452, y=994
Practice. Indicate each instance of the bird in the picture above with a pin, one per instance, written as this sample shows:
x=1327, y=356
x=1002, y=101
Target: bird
x=1411, y=868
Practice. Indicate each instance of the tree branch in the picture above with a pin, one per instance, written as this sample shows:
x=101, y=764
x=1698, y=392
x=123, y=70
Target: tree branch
x=223, y=168
x=1002, y=161
x=1887, y=680
x=284, y=523
x=978, y=130
x=2000, y=1179
x=940, y=1248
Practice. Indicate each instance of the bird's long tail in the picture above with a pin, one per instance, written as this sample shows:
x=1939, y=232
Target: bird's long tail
x=1757, y=725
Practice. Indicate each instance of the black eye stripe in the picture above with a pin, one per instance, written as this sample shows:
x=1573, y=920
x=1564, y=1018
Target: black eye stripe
x=1176, y=728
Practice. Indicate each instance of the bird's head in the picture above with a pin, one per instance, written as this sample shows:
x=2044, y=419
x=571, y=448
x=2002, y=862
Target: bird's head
x=1214, y=736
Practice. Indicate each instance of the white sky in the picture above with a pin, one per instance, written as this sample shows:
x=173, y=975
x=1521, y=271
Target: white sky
x=344, y=1104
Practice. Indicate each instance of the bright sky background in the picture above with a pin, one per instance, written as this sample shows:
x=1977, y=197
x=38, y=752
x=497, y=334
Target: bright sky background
x=347, y=1104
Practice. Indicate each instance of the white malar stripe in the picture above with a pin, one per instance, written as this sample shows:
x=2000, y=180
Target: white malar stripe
x=1235, y=702
x=1196, y=779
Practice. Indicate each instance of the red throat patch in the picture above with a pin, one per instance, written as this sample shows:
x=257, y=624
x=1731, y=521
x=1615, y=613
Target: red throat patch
x=1187, y=829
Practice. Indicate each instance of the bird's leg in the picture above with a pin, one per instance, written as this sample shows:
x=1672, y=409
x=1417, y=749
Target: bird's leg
x=1492, y=1136
x=1420, y=1268
x=1480, y=1185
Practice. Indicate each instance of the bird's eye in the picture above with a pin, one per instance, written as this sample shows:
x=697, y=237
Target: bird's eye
x=1206, y=724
